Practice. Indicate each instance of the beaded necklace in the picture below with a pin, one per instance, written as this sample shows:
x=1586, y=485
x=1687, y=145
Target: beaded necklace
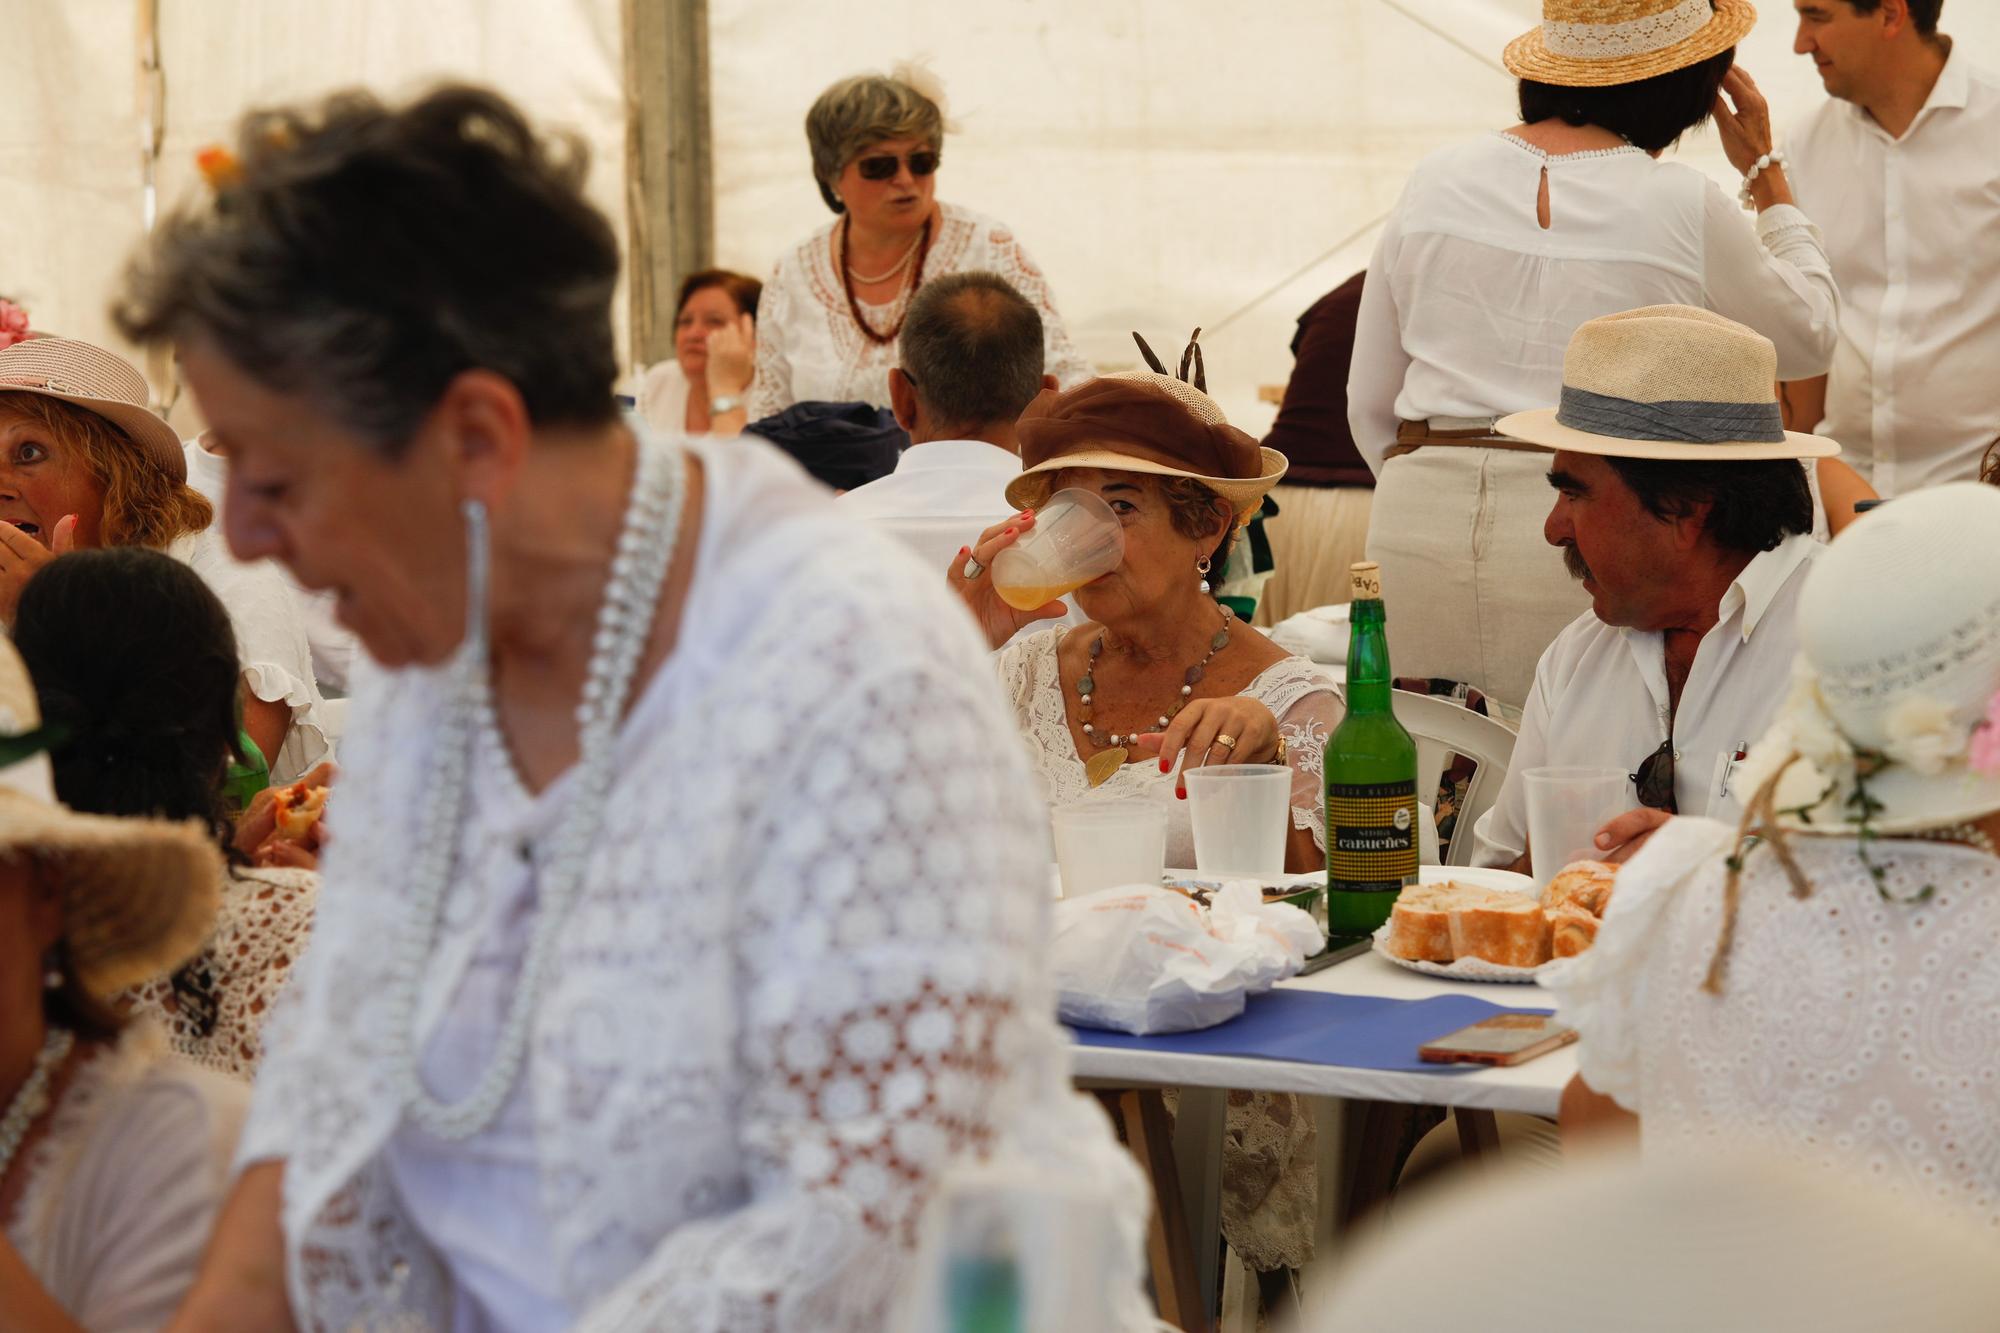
x=903, y=293
x=1101, y=766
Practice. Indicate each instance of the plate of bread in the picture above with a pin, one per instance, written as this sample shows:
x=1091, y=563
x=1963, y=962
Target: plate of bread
x=1474, y=925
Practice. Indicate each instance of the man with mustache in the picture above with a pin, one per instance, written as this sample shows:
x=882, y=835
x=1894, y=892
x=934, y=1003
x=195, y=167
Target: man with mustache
x=1900, y=168
x=1682, y=508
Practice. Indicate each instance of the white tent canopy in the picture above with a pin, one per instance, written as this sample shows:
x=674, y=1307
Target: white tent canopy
x=1170, y=164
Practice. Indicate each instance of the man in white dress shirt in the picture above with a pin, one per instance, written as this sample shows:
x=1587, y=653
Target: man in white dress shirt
x=1901, y=170
x=971, y=353
x=1682, y=507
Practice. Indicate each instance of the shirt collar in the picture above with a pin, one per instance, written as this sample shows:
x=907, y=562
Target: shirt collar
x=1952, y=91
x=1762, y=579
x=934, y=454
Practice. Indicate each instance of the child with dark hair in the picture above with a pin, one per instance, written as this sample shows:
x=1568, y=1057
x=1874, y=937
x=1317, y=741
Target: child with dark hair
x=134, y=665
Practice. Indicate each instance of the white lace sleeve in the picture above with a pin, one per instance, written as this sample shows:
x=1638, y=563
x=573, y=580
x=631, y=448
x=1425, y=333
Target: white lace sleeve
x=1059, y=355
x=771, y=389
x=260, y=931
x=1602, y=993
x=892, y=1002
x=1305, y=699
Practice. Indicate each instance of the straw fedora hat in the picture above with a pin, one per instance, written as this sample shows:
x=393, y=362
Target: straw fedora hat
x=1668, y=382
x=1141, y=421
x=98, y=381
x=1899, y=668
x=1597, y=43
x=138, y=895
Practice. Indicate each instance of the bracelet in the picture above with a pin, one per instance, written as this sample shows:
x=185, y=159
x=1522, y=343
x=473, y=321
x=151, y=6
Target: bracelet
x=1774, y=158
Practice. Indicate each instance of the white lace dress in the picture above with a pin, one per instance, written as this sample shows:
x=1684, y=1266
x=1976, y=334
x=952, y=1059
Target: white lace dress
x=808, y=349
x=124, y=1186
x=261, y=925
x=1303, y=695
x=803, y=977
x=1851, y=1032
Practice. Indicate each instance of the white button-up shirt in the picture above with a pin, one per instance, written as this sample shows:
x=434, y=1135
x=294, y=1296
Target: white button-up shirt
x=1911, y=225
x=1601, y=701
x=941, y=496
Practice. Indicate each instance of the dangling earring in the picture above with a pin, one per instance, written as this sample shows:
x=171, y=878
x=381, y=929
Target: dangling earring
x=1201, y=568
x=52, y=979
x=478, y=576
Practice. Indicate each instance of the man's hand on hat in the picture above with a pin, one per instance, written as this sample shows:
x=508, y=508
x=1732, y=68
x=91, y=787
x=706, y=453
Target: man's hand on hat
x=1620, y=840
x=971, y=573
x=22, y=557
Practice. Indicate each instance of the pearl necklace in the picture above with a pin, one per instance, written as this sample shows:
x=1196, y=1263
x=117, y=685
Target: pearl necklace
x=867, y=281
x=1970, y=834
x=32, y=1098
x=624, y=624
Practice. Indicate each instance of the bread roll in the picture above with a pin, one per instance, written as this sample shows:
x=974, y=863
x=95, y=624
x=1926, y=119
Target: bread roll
x=1571, y=931
x=1420, y=922
x=1512, y=931
x=1585, y=885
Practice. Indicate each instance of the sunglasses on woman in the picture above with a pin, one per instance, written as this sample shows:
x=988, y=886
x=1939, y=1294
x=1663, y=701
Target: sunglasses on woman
x=1655, y=779
x=883, y=166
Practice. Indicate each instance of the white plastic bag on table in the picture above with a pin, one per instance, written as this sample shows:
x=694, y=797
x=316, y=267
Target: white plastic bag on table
x=1147, y=960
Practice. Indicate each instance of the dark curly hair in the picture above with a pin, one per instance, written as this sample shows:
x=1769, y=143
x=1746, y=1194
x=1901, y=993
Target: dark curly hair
x=134, y=660
x=363, y=256
x=1752, y=506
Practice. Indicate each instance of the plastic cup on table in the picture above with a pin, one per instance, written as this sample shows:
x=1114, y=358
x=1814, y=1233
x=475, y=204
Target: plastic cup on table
x=1108, y=844
x=1075, y=538
x=1566, y=808
x=1240, y=813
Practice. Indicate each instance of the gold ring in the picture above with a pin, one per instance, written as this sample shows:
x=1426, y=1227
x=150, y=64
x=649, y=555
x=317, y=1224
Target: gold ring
x=1229, y=741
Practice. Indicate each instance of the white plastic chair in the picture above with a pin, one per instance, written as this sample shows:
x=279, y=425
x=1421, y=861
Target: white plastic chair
x=1442, y=728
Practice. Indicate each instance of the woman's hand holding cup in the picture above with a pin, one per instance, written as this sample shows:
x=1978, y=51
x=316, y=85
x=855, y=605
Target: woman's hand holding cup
x=971, y=574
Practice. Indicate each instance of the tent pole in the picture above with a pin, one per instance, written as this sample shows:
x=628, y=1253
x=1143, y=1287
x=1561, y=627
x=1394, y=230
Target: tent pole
x=670, y=199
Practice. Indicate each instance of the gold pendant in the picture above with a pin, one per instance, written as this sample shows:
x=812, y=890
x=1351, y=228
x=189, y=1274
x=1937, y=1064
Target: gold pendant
x=1100, y=766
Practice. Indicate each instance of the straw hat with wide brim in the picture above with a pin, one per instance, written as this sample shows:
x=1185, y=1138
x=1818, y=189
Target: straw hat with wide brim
x=1668, y=382
x=98, y=381
x=1598, y=43
x=138, y=895
x=1140, y=421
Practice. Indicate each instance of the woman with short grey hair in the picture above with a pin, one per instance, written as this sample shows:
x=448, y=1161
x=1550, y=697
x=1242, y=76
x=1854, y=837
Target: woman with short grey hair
x=826, y=330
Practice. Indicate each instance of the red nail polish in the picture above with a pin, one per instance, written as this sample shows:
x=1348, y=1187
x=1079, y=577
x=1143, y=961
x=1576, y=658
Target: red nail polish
x=1166, y=764
x=1179, y=793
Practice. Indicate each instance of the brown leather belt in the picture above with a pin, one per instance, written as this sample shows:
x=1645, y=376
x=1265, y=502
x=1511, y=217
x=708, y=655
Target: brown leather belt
x=1414, y=435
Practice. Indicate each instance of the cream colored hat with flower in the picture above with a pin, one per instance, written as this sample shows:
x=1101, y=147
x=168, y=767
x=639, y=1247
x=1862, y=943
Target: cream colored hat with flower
x=138, y=895
x=1896, y=701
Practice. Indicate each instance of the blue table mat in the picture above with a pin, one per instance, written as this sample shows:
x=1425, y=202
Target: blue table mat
x=1320, y=1028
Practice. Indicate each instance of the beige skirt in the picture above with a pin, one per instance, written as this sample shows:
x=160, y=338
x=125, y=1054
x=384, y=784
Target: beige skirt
x=1319, y=533
x=1473, y=592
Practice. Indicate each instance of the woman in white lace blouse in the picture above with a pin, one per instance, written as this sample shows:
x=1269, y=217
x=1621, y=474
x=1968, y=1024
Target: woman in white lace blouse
x=1163, y=678
x=827, y=324
x=145, y=700
x=1830, y=991
x=685, y=930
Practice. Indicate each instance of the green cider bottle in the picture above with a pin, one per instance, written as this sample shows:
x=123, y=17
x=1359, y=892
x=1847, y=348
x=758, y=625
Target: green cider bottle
x=1371, y=779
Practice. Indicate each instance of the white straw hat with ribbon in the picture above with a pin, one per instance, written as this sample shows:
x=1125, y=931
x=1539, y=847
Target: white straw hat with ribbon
x=91, y=378
x=1598, y=43
x=1668, y=382
x=1897, y=689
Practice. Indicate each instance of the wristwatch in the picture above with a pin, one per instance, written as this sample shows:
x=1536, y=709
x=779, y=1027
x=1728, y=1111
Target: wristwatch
x=729, y=402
